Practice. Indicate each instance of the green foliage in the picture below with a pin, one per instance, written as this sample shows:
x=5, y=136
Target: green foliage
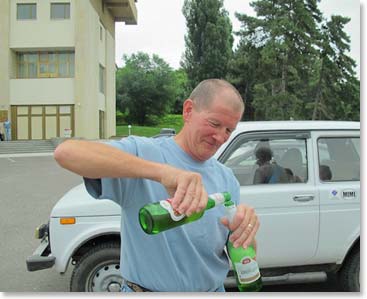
x=292, y=63
x=145, y=88
x=168, y=121
x=182, y=91
x=208, y=41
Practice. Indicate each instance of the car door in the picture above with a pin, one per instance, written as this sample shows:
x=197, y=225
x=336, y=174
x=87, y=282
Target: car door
x=288, y=210
x=338, y=180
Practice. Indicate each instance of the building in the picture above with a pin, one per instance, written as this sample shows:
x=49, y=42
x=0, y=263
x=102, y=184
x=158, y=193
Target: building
x=57, y=66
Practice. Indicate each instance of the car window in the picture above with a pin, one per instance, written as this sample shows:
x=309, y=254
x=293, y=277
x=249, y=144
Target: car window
x=269, y=161
x=339, y=159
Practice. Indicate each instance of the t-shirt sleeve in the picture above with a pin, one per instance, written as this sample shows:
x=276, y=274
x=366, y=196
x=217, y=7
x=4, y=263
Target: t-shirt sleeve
x=112, y=188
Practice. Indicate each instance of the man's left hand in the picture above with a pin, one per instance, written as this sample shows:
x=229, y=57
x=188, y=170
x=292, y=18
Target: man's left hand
x=243, y=227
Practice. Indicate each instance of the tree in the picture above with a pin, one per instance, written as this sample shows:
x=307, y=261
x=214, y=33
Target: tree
x=294, y=62
x=182, y=90
x=334, y=74
x=283, y=35
x=208, y=41
x=145, y=88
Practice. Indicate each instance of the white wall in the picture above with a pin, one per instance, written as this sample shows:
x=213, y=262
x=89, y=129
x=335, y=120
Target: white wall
x=42, y=91
x=42, y=32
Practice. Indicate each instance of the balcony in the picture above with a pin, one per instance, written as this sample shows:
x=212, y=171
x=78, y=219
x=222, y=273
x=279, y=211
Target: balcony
x=122, y=10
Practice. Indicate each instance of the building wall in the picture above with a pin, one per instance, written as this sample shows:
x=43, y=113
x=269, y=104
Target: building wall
x=90, y=34
x=42, y=91
x=110, y=122
x=86, y=70
x=5, y=62
x=42, y=33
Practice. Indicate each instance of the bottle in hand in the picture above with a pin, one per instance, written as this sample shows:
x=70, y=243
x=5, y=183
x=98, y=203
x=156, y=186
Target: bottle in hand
x=160, y=216
x=243, y=260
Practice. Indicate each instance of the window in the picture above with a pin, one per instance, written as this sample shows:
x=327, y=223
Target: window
x=60, y=11
x=101, y=79
x=100, y=33
x=45, y=65
x=26, y=11
x=269, y=161
x=339, y=159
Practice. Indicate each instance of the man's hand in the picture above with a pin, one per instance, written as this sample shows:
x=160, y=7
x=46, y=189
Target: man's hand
x=186, y=188
x=244, y=226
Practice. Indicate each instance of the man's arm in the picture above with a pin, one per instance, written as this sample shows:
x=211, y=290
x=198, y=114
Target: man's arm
x=98, y=160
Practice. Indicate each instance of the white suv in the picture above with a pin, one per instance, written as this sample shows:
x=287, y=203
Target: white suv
x=310, y=224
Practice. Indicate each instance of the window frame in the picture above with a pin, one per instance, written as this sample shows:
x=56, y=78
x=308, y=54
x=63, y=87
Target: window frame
x=30, y=17
x=272, y=135
x=66, y=12
x=70, y=61
x=102, y=79
x=319, y=161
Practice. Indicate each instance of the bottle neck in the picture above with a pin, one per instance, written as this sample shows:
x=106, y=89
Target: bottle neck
x=230, y=210
x=216, y=199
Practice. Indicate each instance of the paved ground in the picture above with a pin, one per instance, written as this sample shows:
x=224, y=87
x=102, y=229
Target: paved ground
x=29, y=187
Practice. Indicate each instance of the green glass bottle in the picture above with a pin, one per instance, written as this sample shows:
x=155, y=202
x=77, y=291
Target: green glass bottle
x=160, y=216
x=243, y=260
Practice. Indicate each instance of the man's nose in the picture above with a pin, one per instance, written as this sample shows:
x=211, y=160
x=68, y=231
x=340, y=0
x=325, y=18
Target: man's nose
x=220, y=137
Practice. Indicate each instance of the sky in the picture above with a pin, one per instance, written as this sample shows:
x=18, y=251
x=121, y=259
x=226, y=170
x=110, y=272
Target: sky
x=161, y=27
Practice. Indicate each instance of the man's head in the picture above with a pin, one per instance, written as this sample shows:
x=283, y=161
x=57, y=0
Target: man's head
x=210, y=115
x=208, y=90
x=263, y=155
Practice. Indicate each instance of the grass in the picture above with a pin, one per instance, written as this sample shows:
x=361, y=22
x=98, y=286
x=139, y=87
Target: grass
x=168, y=121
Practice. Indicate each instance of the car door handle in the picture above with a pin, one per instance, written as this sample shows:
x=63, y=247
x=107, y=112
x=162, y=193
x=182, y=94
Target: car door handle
x=303, y=198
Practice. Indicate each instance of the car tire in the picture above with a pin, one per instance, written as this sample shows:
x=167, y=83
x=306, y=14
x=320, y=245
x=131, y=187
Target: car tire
x=98, y=270
x=349, y=274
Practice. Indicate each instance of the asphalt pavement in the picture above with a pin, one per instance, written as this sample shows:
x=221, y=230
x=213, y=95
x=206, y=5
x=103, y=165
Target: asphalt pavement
x=30, y=185
x=29, y=188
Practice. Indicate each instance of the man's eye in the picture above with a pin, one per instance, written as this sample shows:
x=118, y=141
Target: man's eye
x=214, y=124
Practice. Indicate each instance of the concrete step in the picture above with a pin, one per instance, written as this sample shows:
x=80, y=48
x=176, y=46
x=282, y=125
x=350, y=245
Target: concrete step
x=26, y=146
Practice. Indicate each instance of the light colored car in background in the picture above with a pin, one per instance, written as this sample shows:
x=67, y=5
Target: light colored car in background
x=310, y=227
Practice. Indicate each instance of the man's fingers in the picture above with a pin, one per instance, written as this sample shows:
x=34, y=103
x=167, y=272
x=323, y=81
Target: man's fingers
x=247, y=236
x=192, y=196
x=244, y=226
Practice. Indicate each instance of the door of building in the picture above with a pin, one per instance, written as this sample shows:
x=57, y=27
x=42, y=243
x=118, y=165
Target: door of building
x=35, y=122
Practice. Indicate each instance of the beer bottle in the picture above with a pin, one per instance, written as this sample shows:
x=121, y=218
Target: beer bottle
x=243, y=260
x=160, y=216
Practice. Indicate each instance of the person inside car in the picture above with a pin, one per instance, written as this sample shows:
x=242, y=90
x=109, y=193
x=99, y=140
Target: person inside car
x=267, y=172
x=137, y=170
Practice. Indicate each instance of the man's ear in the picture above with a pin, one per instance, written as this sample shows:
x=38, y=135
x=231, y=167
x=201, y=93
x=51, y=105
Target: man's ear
x=188, y=106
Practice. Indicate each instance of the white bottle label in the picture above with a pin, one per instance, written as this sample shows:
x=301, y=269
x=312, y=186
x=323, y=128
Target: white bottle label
x=247, y=270
x=218, y=198
x=166, y=204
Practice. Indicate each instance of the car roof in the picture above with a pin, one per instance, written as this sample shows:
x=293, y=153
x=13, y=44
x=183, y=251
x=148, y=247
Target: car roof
x=288, y=125
x=297, y=125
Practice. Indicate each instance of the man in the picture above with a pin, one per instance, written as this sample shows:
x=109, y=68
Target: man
x=7, y=130
x=136, y=171
x=268, y=173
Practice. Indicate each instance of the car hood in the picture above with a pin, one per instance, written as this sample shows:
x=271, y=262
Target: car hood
x=77, y=202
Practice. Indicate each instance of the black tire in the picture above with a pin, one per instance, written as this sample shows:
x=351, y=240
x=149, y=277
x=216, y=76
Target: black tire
x=98, y=270
x=349, y=274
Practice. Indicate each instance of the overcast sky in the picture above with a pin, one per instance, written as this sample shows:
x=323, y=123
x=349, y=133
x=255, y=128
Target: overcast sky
x=161, y=27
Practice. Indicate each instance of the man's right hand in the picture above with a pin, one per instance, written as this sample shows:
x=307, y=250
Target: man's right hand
x=186, y=189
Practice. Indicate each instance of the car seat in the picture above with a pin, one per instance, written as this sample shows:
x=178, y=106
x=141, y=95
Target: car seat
x=292, y=159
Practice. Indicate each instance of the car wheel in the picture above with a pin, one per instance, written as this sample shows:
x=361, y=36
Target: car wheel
x=98, y=270
x=349, y=274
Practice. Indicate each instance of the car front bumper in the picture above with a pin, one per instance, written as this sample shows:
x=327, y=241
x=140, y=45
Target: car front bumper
x=41, y=259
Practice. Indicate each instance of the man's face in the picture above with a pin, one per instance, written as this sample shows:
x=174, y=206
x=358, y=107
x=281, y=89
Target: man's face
x=209, y=128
